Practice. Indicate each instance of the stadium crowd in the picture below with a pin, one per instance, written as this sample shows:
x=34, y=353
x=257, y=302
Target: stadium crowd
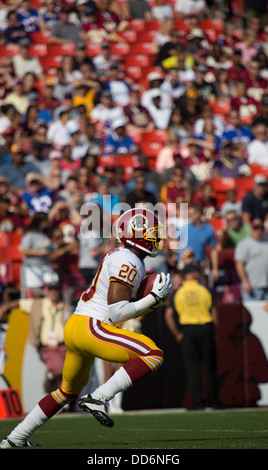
x=145, y=101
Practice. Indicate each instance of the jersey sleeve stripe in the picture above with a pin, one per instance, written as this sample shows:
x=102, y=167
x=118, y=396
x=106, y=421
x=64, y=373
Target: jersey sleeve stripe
x=115, y=279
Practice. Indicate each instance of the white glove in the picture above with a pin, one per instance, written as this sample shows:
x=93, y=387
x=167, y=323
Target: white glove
x=162, y=287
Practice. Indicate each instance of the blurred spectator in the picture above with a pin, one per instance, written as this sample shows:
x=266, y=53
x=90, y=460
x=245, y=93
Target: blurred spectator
x=204, y=197
x=256, y=85
x=180, y=126
x=118, y=141
x=200, y=236
x=103, y=61
x=84, y=184
x=91, y=139
x=177, y=189
x=64, y=215
x=258, y=147
x=205, y=114
x=14, y=30
x=229, y=164
x=188, y=175
x=104, y=198
x=59, y=131
x=159, y=112
x=190, y=105
x=161, y=10
x=251, y=258
x=154, y=81
x=197, y=162
x=165, y=157
x=71, y=193
x=37, y=196
x=139, y=9
x=138, y=117
x=172, y=85
x=24, y=63
x=190, y=9
x=106, y=112
x=206, y=89
x=248, y=46
x=237, y=71
x=140, y=194
x=232, y=203
x=247, y=106
x=235, y=130
x=28, y=16
x=118, y=87
x=10, y=221
x=234, y=230
x=17, y=98
x=64, y=31
x=48, y=16
x=16, y=170
x=255, y=202
x=36, y=247
x=162, y=36
x=262, y=117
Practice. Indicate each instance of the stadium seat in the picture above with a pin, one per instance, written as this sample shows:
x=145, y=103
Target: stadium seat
x=145, y=36
x=137, y=25
x=216, y=25
x=93, y=49
x=258, y=169
x=38, y=50
x=129, y=36
x=50, y=62
x=61, y=49
x=9, y=49
x=144, y=48
x=181, y=25
x=221, y=107
x=151, y=149
x=40, y=37
x=3, y=239
x=134, y=72
x=157, y=135
x=119, y=48
x=140, y=60
x=221, y=185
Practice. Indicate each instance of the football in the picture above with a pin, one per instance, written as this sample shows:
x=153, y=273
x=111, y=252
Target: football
x=146, y=286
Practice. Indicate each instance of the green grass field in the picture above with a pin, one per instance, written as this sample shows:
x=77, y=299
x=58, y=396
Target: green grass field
x=174, y=429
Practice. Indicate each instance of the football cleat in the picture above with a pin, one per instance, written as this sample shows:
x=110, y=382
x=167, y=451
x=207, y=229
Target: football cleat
x=98, y=409
x=8, y=444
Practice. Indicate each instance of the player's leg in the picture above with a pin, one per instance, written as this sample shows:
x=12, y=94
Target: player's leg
x=139, y=355
x=75, y=376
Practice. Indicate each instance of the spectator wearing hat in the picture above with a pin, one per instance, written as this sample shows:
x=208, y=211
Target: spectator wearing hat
x=258, y=147
x=103, y=61
x=64, y=31
x=196, y=41
x=229, y=164
x=155, y=80
x=17, y=168
x=24, y=63
x=37, y=196
x=10, y=221
x=251, y=259
x=255, y=202
x=118, y=87
x=119, y=142
x=235, y=130
x=106, y=112
x=48, y=315
x=196, y=331
x=138, y=117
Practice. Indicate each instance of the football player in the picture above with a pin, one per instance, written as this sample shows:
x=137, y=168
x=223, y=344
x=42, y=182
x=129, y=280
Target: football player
x=92, y=332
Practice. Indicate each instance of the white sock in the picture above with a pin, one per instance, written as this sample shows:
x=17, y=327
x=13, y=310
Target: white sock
x=31, y=422
x=119, y=382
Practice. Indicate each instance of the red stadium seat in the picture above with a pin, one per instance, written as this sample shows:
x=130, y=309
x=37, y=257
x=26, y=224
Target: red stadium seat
x=128, y=36
x=50, y=62
x=140, y=60
x=40, y=37
x=157, y=135
x=137, y=25
x=181, y=25
x=216, y=25
x=61, y=49
x=145, y=36
x=38, y=50
x=93, y=49
x=151, y=149
x=9, y=50
x=119, y=48
x=134, y=72
x=144, y=48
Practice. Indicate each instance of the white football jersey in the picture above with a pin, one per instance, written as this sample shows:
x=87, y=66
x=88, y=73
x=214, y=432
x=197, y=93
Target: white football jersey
x=119, y=265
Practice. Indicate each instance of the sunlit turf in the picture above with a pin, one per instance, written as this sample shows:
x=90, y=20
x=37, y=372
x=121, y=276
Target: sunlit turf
x=174, y=429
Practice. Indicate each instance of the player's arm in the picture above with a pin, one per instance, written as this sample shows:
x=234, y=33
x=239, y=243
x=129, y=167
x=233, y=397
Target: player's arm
x=119, y=296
